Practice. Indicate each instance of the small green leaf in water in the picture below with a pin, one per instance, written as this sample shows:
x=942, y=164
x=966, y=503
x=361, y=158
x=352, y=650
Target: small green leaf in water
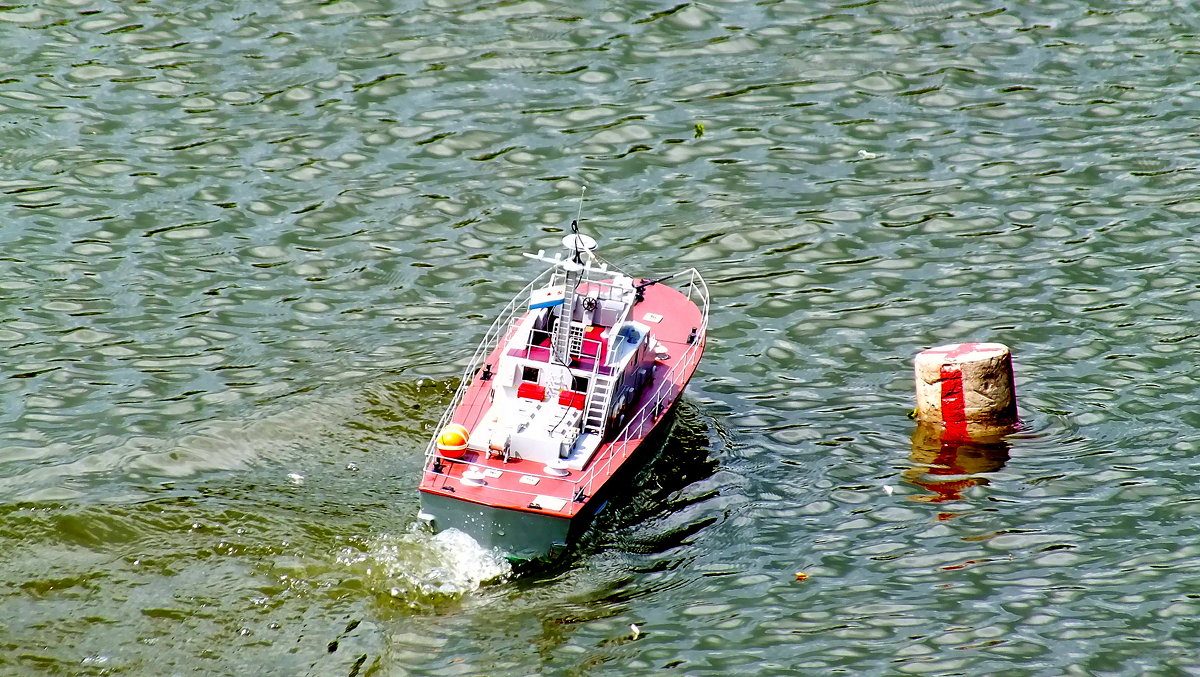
x=699, y=129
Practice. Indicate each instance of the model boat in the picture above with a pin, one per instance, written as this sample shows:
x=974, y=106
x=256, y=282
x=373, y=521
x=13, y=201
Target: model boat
x=574, y=381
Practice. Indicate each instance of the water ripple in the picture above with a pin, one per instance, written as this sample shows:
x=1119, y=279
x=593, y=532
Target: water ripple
x=248, y=244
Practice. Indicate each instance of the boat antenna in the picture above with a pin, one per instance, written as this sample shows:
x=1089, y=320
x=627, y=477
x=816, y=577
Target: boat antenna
x=575, y=225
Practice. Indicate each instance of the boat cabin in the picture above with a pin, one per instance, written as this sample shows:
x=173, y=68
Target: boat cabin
x=570, y=371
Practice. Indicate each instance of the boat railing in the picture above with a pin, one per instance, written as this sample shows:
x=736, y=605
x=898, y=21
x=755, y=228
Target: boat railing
x=591, y=356
x=506, y=323
x=663, y=396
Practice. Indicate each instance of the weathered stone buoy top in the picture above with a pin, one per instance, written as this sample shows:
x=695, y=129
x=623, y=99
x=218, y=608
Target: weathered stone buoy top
x=966, y=387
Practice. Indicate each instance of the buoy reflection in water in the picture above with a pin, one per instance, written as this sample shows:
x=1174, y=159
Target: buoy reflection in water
x=947, y=465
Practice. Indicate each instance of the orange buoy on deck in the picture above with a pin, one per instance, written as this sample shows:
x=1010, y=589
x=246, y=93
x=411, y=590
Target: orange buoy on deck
x=452, y=441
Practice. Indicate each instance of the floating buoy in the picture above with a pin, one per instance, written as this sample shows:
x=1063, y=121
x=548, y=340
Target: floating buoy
x=452, y=441
x=966, y=404
x=967, y=388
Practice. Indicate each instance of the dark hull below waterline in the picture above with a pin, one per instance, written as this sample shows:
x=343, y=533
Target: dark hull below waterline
x=519, y=535
x=524, y=535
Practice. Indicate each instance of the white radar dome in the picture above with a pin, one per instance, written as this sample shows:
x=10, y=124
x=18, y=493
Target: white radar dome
x=577, y=242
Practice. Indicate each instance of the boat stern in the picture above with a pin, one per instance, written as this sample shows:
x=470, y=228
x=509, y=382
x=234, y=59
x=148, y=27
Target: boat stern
x=518, y=534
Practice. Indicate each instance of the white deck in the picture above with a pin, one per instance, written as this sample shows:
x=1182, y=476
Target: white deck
x=535, y=431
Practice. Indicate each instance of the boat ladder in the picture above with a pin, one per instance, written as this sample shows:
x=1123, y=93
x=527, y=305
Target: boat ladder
x=563, y=329
x=576, y=339
x=597, y=406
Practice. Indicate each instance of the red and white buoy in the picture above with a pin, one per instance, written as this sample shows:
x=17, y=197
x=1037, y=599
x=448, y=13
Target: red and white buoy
x=967, y=388
x=966, y=404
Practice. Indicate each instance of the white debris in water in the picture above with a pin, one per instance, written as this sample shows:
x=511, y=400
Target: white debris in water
x=296, y=478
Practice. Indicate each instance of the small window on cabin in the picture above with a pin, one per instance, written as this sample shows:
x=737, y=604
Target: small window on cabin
x=579, y=383
x=530, y=374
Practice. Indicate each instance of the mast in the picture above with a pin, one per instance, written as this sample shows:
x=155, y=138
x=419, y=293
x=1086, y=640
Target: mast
x=574, y=271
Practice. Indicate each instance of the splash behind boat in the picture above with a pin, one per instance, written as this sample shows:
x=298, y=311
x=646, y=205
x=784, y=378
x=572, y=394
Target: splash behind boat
x=575, y=377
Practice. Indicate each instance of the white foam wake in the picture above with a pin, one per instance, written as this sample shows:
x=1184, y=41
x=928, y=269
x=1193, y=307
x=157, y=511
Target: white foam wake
x=420, y=568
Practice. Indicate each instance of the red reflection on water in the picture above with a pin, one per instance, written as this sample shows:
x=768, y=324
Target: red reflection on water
x=948, y=464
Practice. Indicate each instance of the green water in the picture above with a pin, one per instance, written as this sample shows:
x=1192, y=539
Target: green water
x=247, y=246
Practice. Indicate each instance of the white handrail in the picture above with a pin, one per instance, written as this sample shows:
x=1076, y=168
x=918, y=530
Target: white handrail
x=489, y=342
x=620, y=447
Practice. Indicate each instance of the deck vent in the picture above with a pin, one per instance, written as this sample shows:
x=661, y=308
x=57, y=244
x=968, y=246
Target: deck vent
x=473, y=478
